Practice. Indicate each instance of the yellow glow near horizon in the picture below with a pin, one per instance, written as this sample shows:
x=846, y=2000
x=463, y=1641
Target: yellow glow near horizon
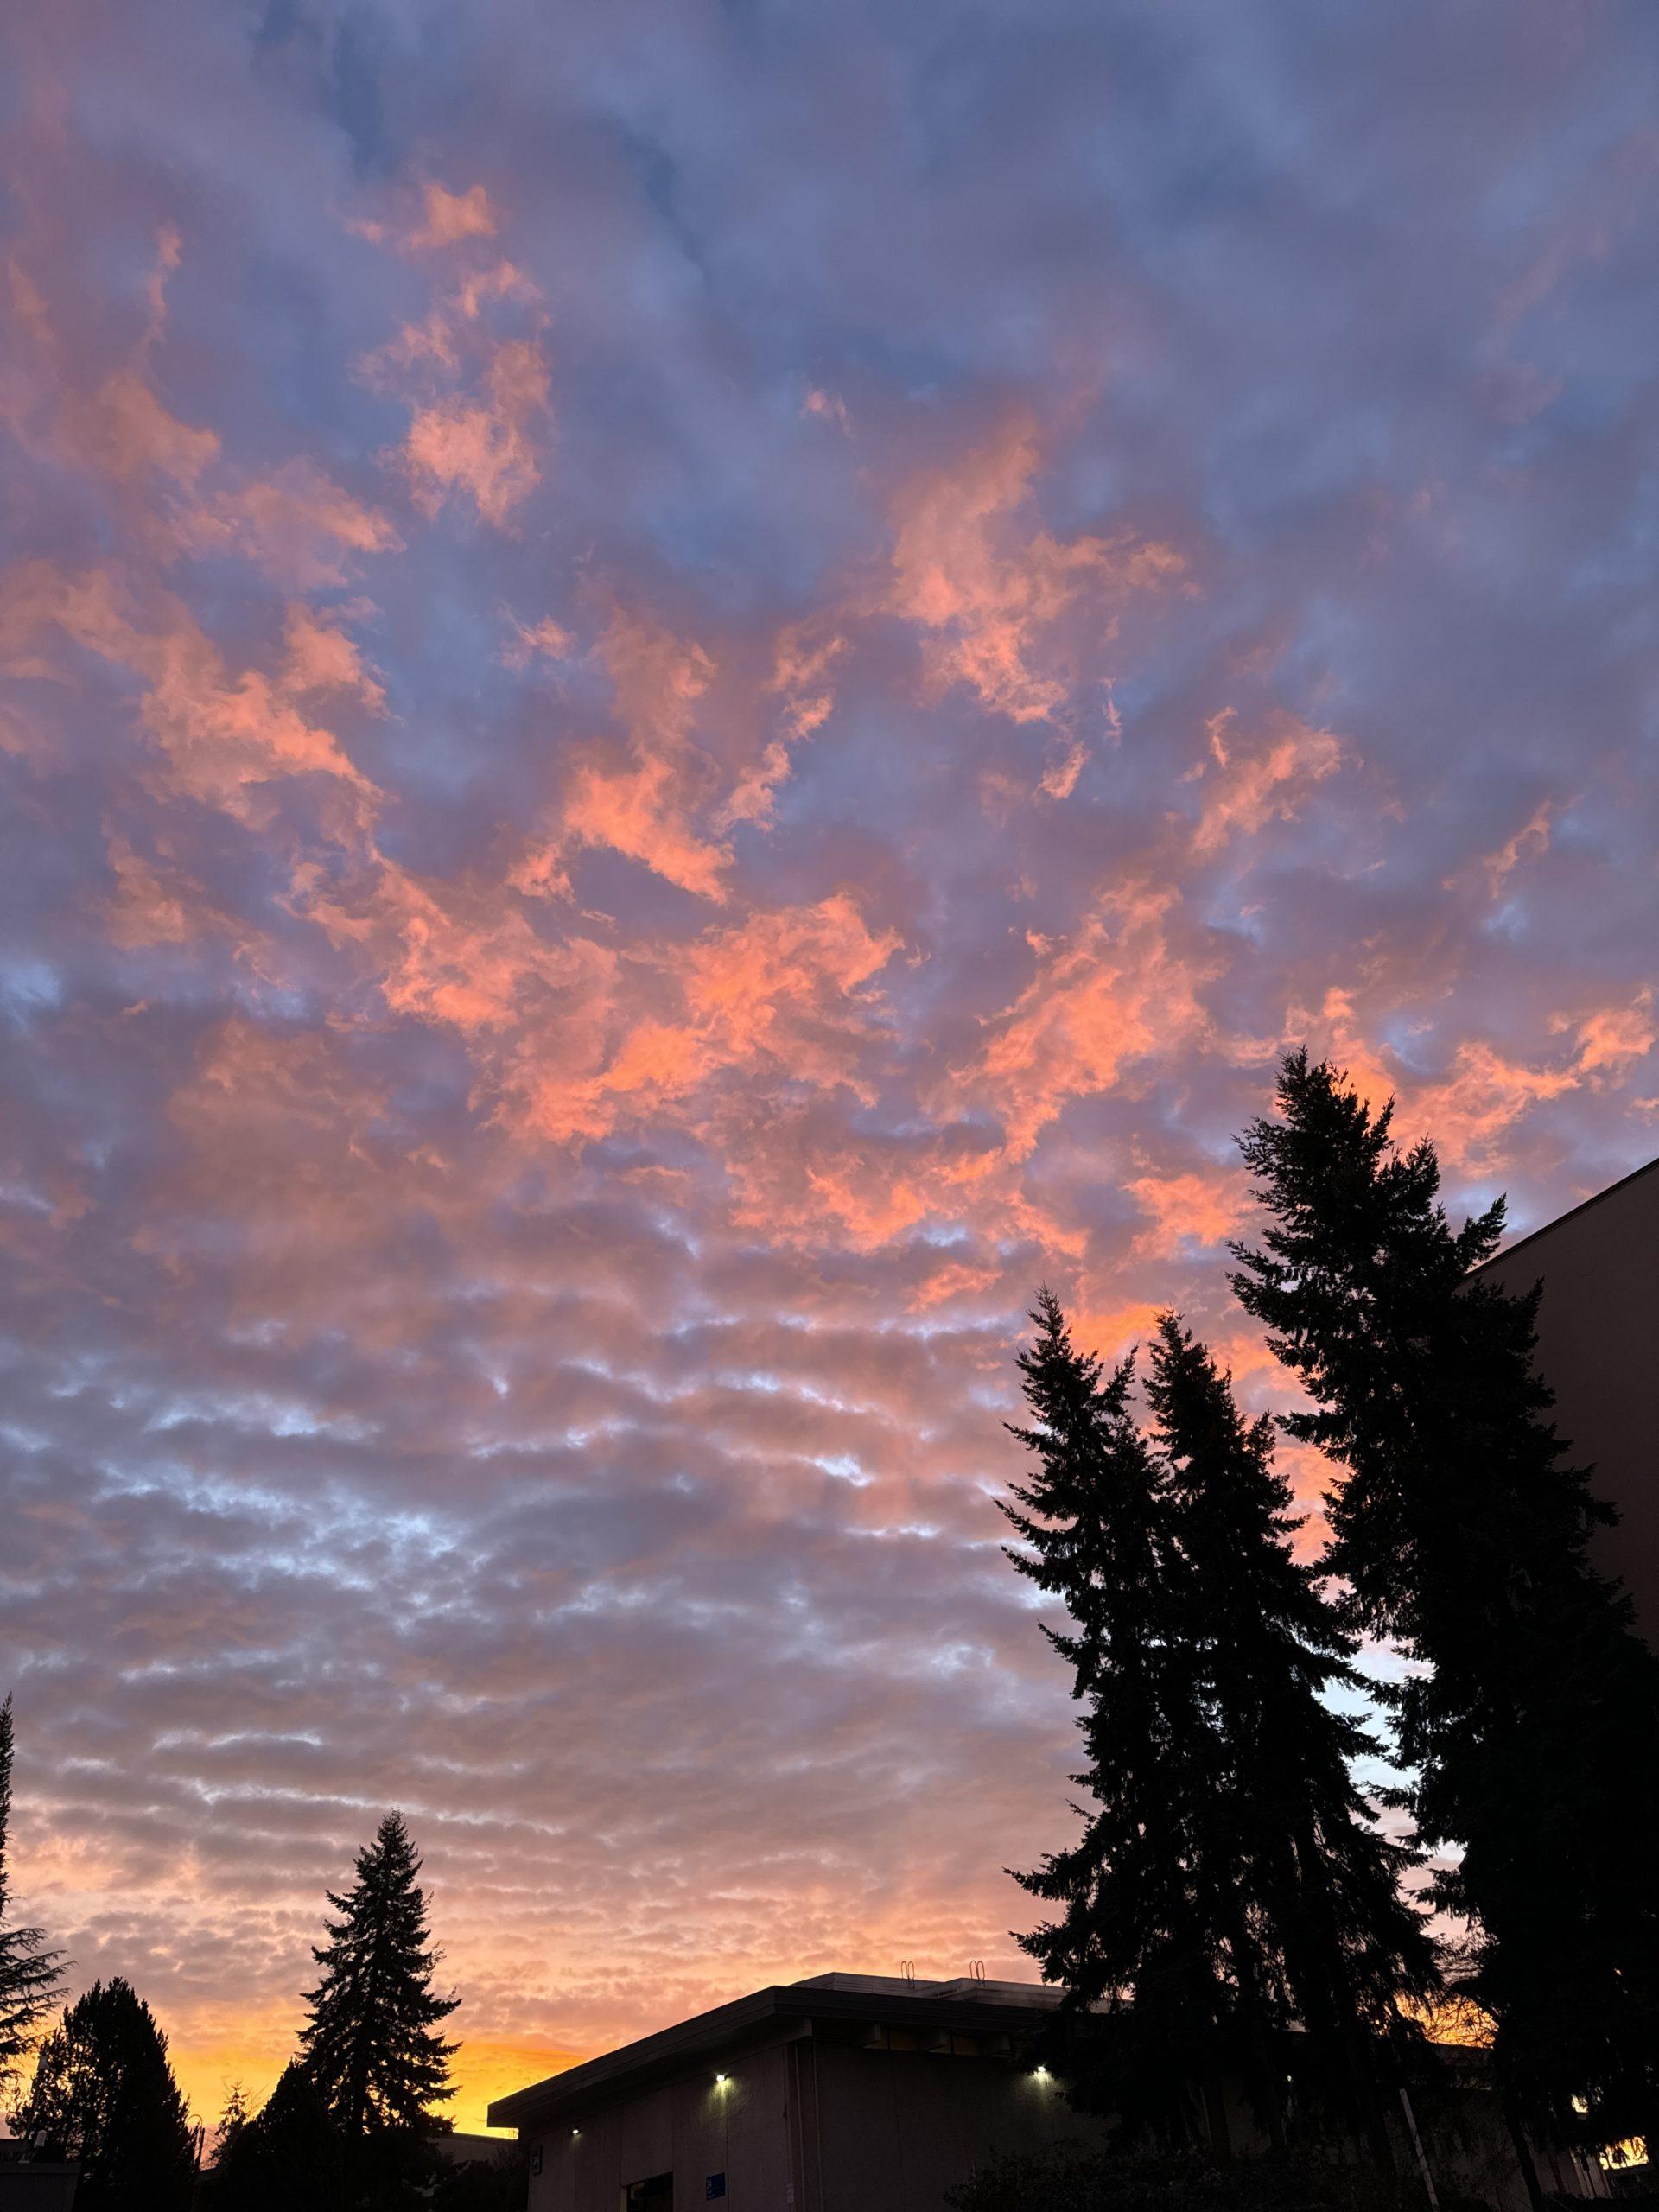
x=485, y=2069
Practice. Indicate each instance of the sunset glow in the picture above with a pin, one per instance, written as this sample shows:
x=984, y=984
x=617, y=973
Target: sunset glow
x=690, y=693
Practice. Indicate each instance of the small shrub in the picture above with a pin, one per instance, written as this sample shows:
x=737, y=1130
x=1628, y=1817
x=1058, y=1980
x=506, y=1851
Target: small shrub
x=1079, y=2182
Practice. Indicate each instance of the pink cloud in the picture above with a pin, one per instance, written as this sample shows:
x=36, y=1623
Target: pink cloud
x=452, y=216
x=986, y=584
x=1247, y=785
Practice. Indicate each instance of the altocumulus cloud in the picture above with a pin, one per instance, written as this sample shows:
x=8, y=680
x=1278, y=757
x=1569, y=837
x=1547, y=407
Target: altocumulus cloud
x=684, y=700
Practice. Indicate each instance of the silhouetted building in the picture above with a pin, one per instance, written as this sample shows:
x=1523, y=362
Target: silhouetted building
x=859, y=2093
x=1598, y=1331
x=34, y=2185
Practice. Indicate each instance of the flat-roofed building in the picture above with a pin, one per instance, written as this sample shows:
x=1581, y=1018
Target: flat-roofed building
x=863, y=2092
x=855, y=2090
x=1599, y=1351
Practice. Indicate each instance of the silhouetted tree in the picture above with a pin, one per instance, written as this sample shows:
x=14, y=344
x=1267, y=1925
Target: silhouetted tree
x=30, y=1973
x=372, y=2045
x=1137, y=1913
x=235, y=2116
x=288, y=2154
x=104, y=2093
x=493, y=2184
x=1463, y=1532
x=1318, y=1932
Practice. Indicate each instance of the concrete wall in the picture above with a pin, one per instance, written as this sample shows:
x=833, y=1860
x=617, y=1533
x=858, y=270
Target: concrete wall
x=1598, y=1325
x=689, y=2128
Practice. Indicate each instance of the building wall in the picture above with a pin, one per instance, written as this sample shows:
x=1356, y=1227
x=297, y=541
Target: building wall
x=896, y=2129
x=1597, y=1323
x=37, y=2189
x=690, y=2128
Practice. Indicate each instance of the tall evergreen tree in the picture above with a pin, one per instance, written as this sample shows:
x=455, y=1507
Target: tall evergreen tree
x=1463, y=1533
x=104, y=2093
x=372, y=2045
x=1320, y=1938
x=1134, y=1929
x=30, y=1976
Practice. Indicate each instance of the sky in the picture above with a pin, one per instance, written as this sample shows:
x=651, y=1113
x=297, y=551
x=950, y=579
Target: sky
x=691, y=692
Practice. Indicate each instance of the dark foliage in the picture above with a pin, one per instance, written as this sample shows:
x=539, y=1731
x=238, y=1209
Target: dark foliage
x=104, y=2093
x=30, y=1973
x=1317, y=1932
x=1462, y=1531
x=372, y=2045
x=1072, y=2180
x=499, y=2185
x=290, y=2153
x=1137, y=1906
x=1231, y=1885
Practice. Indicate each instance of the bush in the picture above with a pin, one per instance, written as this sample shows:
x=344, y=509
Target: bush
x=1072, y=2180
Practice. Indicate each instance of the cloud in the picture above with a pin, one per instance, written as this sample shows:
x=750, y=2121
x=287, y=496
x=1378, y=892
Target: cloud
x=988, y=586
x=452, y=216
x=482, y=443
x=650, y=768
x=642, y=805
x=1250, y=786
x=1115, y=993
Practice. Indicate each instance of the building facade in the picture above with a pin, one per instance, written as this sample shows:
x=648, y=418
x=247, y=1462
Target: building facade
x=1597, y=1327
x=845, y=2090
x=860, y=2093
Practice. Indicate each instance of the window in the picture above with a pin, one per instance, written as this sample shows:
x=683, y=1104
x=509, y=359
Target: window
x=656, y=2195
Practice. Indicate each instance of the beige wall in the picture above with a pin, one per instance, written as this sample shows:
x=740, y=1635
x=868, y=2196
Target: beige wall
x=1598, y=1350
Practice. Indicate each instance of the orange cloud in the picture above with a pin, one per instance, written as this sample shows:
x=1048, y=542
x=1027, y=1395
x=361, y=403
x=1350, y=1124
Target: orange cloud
x=783, y=994
x=1205, y=1208
x=223, y=735
x=1612, y=1039
x=321, y=657
x=296, y=524
x=119, y=430
x=801, y=678
x=1495, y=869
x=482, y=446
x=1266, y=782
x=643, y=806
x=977, y=573
x=452, y=216
x=1116, y=993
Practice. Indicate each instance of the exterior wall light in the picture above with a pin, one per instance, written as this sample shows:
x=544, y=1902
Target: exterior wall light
x=722, y=2081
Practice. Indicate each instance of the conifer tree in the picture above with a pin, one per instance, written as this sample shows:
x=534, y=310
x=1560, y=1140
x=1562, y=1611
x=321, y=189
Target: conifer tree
x=29, y=1972
x=372, y=2045
x=288, y=2154
x=104, y=2093
x=1320, y=1938
x=1136, y=1908
x=1463, y=1533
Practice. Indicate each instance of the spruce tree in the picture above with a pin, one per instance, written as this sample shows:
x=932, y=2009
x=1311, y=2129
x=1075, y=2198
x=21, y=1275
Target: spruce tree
x=104, y=2095
x=1462, y=1531
x=1320, y=1938
x=29, y=1972
x=370, y=2044
x=289, y=2153
x=1134, y=1934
